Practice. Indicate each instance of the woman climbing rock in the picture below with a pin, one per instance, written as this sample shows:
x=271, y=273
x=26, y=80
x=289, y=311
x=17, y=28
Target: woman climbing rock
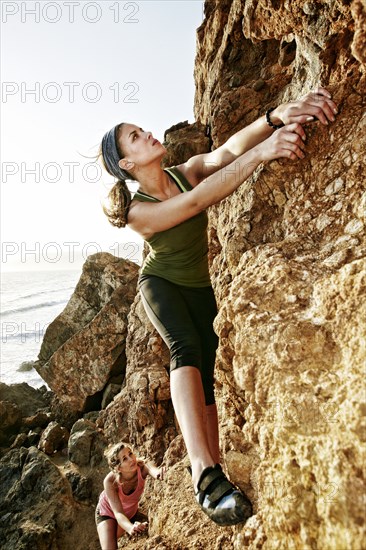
x=169, y=212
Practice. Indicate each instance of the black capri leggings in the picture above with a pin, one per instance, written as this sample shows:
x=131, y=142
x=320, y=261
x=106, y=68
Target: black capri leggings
x=183, y=316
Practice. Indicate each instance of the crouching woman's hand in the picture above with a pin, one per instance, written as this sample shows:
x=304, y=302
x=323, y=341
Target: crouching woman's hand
x=137, y=528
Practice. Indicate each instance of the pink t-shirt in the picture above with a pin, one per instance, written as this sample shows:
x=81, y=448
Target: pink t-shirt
x=130, y=503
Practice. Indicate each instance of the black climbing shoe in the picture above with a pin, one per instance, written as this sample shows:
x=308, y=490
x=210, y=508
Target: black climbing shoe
x=220, y=499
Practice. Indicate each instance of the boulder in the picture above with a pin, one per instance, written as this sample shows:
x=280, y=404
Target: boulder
x=53, y=438
x=85, y=345
x=28, y=399
x=81, y=486
x=10, y=415
x=287, y=253
x=184, y=141
x=86, y=444
x=10, y=418
x=44, y=507
x=38, y=420
x=36, y=504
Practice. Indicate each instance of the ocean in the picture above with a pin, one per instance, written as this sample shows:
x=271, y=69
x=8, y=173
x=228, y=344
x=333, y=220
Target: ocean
x=30, y=301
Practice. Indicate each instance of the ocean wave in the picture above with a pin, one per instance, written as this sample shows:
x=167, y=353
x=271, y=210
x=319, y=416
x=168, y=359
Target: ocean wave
x=24, y=335
x=42, y=292
x=32, y=307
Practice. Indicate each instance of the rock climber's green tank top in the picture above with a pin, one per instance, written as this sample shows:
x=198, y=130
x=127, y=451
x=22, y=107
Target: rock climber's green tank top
x=179, y=254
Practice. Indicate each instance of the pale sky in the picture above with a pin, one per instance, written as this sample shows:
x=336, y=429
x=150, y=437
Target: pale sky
x=71, y=70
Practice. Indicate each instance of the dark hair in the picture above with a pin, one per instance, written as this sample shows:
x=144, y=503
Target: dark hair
x=119, y=196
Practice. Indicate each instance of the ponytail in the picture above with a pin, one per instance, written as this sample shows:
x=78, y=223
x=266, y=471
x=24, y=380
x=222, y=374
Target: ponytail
x=119, y=203
x=119, y=196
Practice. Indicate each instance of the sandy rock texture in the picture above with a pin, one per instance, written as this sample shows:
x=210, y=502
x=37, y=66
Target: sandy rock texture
x=84, y=347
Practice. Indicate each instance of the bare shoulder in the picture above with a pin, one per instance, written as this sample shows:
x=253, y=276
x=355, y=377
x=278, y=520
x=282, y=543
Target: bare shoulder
x=110, y=479
x=189, y=171
x=198, y=168
x=137, y=214
x=144, y=469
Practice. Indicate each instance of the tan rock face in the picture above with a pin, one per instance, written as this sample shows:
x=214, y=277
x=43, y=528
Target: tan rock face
x=287, y=258
x=85, y=345
x=288, y=267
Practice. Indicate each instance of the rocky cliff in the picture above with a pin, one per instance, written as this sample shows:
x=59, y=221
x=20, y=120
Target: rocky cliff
x=83, y=350
x=287, y=259
x=287, y=254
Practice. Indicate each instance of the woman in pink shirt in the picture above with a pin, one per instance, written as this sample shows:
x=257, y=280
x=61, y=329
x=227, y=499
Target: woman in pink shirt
x=123, y=487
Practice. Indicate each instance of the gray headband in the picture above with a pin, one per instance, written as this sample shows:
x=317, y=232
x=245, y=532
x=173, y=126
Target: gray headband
x=111, y=156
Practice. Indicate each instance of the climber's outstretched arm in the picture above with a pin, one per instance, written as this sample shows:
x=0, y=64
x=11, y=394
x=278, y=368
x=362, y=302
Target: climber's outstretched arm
x=316, y=105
